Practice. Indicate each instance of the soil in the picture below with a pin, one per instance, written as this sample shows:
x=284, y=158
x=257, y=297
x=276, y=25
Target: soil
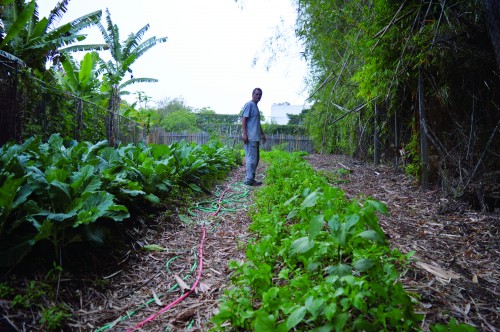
x=455, y=268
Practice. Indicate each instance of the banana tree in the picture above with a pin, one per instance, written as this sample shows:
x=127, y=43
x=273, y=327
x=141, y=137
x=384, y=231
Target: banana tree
x=34, y=41
x=122, y=58
x=81, y=80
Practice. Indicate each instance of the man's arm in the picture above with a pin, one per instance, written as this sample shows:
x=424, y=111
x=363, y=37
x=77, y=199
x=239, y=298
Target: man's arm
x=244, y=134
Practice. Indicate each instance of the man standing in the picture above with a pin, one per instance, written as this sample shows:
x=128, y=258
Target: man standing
x=252, y=134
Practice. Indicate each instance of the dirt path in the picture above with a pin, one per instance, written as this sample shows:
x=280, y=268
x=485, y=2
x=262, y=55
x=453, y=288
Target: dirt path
x=148, y=282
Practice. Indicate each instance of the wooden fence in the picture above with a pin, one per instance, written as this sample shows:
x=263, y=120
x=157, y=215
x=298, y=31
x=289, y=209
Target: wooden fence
x=285, y=142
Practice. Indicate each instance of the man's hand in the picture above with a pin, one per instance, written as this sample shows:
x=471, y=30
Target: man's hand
x=264, y=139
x=245, y=138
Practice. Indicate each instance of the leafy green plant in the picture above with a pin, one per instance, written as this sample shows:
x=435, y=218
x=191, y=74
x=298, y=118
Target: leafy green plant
x=53, y=318
x=453, y=326
x=319, y=261
x=414, y=166
x=5, y=290
x=32, y=293
x=59, y=190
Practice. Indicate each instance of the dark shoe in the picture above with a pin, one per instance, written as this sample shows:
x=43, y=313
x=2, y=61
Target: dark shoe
x=253, y=183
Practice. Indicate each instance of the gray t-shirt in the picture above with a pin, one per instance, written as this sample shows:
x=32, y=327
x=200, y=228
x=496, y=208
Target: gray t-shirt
x=251, y=112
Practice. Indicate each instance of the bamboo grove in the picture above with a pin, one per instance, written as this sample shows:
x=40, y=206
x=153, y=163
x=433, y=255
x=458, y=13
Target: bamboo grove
x=413, y=77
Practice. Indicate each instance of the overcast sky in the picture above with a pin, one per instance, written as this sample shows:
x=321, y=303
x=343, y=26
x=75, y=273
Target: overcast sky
x=211, y=47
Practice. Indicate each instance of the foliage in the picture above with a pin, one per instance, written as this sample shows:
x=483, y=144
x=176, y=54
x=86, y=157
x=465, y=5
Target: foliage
x=81, y=80
x=209, y=121
x=39, y=295
x=52, y=318
x=412, y=149
x=57, y=191
x=169, y=105
x=120, y=64
x=319, y=261
x=297, y=119
x=453, y=326
x=123, y=55
x=32, y=294
x=146, y=118
x=330, y=33
x=179, y=121
x=34, y=41
x=271, y=129
x=364, y=54
x=5, y=290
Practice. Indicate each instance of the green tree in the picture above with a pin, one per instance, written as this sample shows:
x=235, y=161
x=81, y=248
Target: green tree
x=169, y=105
x=217, y=124
x=80, y=79
x=297, y=119
x=376, y=65
x=34, y=41
x=120, y=64
x=180, y=120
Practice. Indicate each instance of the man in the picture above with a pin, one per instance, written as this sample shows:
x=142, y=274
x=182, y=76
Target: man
x=252, y=135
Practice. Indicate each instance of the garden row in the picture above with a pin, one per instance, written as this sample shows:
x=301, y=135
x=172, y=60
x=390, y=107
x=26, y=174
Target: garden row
x=318, y=261
x=63, y=191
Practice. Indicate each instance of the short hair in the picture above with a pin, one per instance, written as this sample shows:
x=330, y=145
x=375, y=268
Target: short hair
x=257, y=89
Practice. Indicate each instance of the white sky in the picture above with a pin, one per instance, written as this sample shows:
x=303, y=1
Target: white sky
x=211, y=46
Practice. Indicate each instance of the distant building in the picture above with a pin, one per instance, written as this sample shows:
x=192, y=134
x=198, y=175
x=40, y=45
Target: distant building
x=279, y=112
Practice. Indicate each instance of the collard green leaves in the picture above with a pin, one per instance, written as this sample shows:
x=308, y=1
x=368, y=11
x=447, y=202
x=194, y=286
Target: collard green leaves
x=50, y=188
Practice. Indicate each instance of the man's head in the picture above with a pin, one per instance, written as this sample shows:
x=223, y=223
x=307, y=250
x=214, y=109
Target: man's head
x=256, y=95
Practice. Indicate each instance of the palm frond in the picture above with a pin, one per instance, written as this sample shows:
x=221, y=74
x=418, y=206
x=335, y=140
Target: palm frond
x=134, y=40
x=71, y=69
x=138, y=80
x=88, y=68
x=113, y=38
x=129, y=45
x=146, y=45
x=139, y=34
x=85, y=21
x=34, y=19
x=54, y=42
x=104, y=33
x=40, y=28
x=126, y=63
x=57, y=13
x=86, y=47
x=19, y=23
x=12, y=57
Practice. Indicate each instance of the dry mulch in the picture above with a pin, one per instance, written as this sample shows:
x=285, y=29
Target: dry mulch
x=455, y=269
